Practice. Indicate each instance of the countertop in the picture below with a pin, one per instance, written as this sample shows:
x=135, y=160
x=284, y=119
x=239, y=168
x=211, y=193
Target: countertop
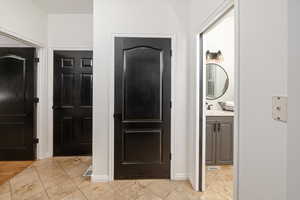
x=214, y=113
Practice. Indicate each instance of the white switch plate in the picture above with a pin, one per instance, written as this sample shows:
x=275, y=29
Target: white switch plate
x=280, y=111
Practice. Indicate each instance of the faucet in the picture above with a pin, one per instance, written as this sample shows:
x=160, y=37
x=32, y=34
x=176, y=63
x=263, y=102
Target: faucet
x=209, y=106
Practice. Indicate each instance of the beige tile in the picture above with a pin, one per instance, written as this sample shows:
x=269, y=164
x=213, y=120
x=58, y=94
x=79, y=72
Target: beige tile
x=161, y=188
x=5, y=196
x=45, y=163
x=75, y=196
x=39, y=196
x=26, y=190
x=51, y=171
x=62, y=190
x=69, y=162
x=4, y=188
x=77, y=171
x=175, y=195
x=96, y=190
x=49, y=181
x=130, y=191
x=81, y=181
x=149, y=196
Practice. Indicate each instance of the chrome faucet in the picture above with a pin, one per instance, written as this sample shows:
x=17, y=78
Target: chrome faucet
x=209, y=106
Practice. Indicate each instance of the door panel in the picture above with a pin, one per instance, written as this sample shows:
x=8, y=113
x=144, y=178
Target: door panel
x=142, y=107
x=224, y=144
x=210, y=142
x=17, y=108
x=142, y=84
x=73, y=100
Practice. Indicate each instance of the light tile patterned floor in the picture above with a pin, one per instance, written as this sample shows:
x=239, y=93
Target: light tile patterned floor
x=61, y=179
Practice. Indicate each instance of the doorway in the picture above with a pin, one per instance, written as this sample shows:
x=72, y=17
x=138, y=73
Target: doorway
x=217, y=103
x=73, y=103
x=142, y=108
x=18, y=79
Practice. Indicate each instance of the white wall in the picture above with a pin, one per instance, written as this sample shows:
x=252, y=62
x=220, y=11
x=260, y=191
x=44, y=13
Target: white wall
x=136, y=17
x=293, y=136
x=70, y=30
x=221, y=37
x=23, y=18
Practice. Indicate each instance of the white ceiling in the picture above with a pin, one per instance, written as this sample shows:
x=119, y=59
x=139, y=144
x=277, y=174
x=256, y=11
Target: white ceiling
x=65, y=6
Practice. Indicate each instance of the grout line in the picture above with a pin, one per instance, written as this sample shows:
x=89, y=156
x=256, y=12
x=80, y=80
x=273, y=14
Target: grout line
x=72, y=178
x=10, y=190
x=38, y=174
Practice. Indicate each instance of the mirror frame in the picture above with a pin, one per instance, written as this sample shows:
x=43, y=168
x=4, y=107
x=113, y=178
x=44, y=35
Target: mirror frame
x=226, y=83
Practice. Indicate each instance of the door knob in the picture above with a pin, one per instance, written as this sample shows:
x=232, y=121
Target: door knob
x=56, y=107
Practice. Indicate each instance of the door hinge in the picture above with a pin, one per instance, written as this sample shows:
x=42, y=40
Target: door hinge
x=36, y=60
x=36, y=100
x=171, y=52
x=170, y=156
x=36, y=140
x=171, y=104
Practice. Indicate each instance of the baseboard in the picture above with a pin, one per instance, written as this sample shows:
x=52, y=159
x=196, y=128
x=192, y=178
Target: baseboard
x=100, y=178
x=180, y=177
x=44, y=155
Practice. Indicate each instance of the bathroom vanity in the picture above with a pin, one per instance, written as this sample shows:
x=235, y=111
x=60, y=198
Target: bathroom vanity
x=219, y=137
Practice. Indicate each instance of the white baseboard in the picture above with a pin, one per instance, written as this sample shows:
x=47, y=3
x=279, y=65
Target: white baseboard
x=180, y=177
x=44, y=155
x=100, y=178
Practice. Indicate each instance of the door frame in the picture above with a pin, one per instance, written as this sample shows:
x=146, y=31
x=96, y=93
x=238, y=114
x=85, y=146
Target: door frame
x=51, y=88
x=112, y=101
x=41, y=53
x=216, y=15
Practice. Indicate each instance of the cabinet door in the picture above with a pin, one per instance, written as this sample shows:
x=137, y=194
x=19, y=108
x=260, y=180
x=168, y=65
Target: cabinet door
x=210, y=143
x=224, y=142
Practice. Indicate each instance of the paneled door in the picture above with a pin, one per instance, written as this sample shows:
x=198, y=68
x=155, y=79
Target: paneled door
x=142, y=108
x=17, y=104
x=73, y=102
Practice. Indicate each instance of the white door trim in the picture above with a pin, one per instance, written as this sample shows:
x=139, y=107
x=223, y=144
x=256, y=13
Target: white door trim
x=222, y=9
x=112, y=101
x=50, y=89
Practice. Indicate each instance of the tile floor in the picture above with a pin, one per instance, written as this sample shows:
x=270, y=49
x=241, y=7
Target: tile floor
x=61, y=179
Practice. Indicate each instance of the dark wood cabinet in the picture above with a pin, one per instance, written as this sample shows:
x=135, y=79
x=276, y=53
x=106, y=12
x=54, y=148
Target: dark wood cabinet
x=219, y=140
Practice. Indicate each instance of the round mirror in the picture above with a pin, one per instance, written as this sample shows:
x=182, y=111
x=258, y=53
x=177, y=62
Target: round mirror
x=217, y=81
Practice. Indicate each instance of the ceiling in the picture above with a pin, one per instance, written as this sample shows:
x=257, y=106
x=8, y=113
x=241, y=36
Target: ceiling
x=65, y=6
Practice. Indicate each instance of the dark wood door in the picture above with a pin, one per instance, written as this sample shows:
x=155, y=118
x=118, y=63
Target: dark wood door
x=17, y=107
x=211, y=128
x=142, y=108
x=73, y=101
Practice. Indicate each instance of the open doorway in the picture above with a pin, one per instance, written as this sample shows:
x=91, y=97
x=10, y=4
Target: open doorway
x=18, y=106
x=217, y=94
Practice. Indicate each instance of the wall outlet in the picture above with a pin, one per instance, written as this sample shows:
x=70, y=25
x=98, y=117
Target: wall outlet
x=279, y=108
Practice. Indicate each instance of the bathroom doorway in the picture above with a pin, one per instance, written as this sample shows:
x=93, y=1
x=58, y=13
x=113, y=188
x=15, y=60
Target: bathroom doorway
x=217, y=106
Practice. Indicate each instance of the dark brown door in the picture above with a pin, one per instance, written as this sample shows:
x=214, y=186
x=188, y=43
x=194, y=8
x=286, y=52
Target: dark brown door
x=73, y=101
x=17, y=107
x=142, y=107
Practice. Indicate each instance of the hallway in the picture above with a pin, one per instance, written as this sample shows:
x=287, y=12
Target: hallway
x=61, y=178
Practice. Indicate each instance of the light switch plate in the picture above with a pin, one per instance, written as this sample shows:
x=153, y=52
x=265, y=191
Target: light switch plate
x=280, y=111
